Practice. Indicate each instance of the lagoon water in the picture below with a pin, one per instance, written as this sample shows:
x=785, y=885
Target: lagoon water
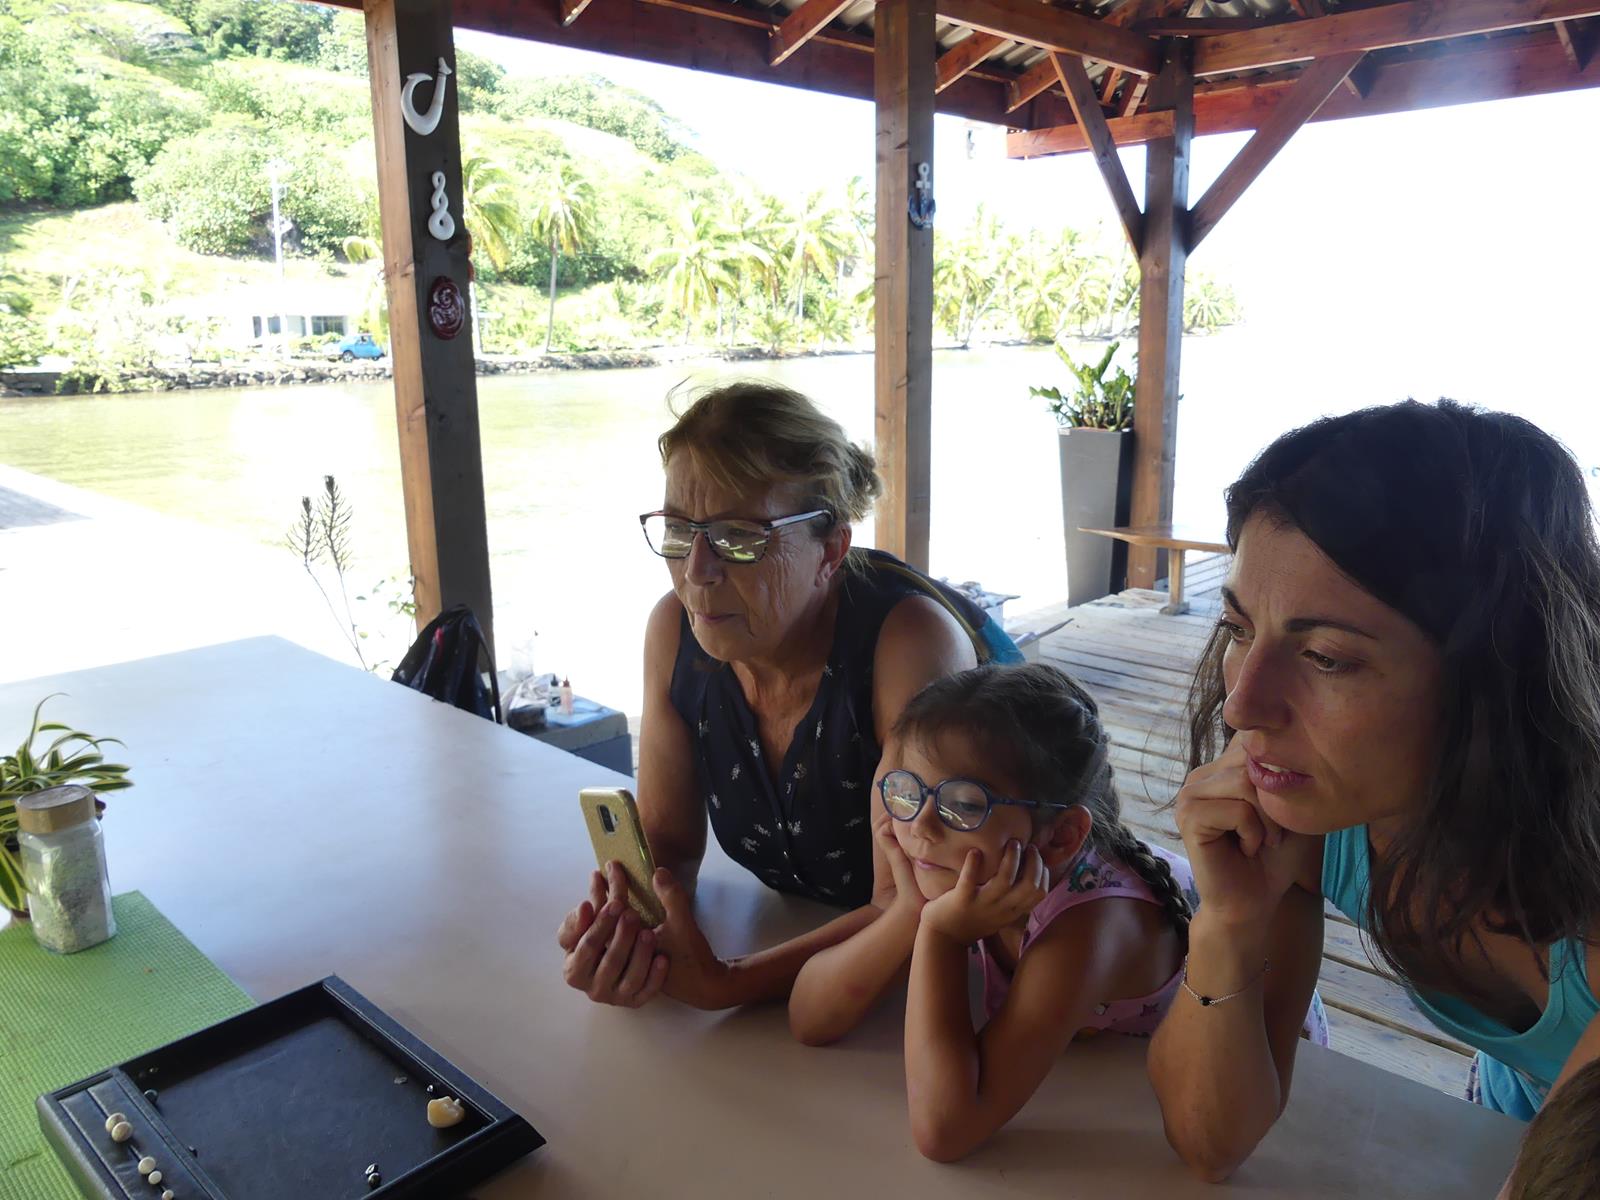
x=570, y=462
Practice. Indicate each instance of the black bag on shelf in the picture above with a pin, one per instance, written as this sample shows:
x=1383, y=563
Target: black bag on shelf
x=450, y=661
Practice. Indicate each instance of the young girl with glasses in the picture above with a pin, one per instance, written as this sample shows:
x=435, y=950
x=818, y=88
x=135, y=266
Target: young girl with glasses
x=1003, y=829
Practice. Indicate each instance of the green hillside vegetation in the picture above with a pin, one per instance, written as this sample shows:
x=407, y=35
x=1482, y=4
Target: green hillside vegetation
x=135, y=143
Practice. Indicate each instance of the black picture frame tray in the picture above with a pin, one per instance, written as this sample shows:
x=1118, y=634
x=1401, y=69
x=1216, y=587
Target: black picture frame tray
x=317, y=1095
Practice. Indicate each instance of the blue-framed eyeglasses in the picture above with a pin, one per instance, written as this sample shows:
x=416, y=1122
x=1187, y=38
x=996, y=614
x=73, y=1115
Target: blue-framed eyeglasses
x=962, y=804
x=734, y=540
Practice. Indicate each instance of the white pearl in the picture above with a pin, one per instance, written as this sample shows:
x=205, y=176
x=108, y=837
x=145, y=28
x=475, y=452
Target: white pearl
x=167, y=1195
x=121, y=1131
x=146, y=1165
x=114, y=1120
x=155, y=1178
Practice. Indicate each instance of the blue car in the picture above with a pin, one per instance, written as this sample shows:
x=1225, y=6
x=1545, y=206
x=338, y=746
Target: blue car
x=358, y=345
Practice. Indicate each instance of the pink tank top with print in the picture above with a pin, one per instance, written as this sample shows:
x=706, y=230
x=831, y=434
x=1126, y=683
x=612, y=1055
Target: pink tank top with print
x=1095, y=878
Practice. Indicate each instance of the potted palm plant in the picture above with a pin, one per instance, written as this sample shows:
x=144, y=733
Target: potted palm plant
x=1095, y=416
x=71, y=757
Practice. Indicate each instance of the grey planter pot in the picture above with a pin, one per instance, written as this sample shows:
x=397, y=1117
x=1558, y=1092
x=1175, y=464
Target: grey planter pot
x=1096, y=493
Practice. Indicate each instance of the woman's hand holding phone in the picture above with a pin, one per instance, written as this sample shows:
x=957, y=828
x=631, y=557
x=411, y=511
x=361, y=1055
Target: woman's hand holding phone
x=610, y=957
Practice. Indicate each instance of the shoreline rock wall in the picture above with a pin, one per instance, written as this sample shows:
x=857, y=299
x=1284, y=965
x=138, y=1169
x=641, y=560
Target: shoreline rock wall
x=42, y=382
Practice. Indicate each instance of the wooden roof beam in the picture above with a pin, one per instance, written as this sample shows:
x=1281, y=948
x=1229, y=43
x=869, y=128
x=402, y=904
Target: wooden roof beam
x=1359, y=81
x=1531, y=66
x=1402, y=24
x=800, y=26
x=1579, y=47
x=571, y=10
x=963, y=57
x=1320, y=80
x=1056, y=29
x=1086, y=107
x=1037, y=79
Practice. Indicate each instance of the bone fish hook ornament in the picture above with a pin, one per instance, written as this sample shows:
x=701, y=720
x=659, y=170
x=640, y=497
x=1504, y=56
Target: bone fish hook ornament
x=424, y=123
x=442, y=225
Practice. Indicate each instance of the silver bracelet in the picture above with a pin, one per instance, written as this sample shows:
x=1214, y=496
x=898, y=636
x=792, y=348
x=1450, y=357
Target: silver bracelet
x=1208, y=1001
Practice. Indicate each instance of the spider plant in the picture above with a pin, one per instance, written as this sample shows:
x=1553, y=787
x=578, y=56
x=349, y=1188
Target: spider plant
x=71, y=757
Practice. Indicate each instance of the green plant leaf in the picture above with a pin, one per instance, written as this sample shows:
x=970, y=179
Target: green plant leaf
x=13, y=891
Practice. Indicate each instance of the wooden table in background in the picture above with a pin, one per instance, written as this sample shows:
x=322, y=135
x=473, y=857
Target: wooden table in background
x=1175, y=542
x=297, y=818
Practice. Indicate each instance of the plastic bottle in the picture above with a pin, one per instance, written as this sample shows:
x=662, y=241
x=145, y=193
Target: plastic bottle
x=566, y=697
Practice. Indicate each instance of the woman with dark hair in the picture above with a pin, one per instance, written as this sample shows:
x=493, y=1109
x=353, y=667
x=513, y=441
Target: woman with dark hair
x=1399, y=712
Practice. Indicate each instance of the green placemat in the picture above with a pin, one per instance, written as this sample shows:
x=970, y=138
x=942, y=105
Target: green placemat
x=62, y=1018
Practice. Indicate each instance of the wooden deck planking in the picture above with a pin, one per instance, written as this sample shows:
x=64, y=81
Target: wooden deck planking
x=1138, y=664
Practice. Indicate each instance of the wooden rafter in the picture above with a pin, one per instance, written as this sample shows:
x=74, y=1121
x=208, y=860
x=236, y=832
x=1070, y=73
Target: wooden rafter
x=1037, y=79
x=1320, y=80
x=1056, y=29
x=1577, y=46
x=571, y=10
x=1533, y=66
x=1132, y=96
x=1203, y=26
x=800, y=26
x=1086, y=107
x=1359, y=81
x=1402, y=24
x=964, y=57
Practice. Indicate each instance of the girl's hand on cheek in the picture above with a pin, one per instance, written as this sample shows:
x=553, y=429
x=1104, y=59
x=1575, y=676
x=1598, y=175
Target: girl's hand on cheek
x=907, y=891
x=971, y=910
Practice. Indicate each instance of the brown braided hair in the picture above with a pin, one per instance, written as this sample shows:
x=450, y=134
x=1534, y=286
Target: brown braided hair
x=1045, y=729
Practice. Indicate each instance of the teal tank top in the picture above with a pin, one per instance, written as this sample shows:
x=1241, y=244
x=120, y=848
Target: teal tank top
x=1515, y=1070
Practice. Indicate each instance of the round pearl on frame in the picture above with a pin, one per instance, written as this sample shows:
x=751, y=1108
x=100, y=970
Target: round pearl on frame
x=146, y=1165
x=121, y=1131
x=167, y=1195
x=114, y=1120
x=155, y=1178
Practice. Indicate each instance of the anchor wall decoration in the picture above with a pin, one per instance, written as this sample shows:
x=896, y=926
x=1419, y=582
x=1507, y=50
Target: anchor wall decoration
x=424, y=123
x=921, y=206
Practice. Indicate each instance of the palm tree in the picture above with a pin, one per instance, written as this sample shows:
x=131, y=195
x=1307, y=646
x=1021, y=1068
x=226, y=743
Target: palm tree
x=816, y=237
x=489, y=207
x=697, y=264
x=562, y=215
x=747, y=234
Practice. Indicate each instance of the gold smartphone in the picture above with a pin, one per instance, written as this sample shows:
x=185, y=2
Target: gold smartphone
x=617, y=834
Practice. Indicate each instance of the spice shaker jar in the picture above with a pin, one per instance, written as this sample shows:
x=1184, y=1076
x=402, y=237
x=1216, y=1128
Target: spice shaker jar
x=64, y=866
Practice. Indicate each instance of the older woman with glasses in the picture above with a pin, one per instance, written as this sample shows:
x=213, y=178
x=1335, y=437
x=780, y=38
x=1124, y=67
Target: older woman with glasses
x=774, y=669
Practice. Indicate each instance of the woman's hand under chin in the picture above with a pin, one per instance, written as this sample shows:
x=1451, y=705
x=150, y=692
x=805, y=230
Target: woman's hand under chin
x=696, y=977
x=1244, y=862
x=971, y=911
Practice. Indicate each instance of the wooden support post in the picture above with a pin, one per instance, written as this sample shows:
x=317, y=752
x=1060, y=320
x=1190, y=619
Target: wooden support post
x=430, y=325
x=1163, y=256
x=903, y=301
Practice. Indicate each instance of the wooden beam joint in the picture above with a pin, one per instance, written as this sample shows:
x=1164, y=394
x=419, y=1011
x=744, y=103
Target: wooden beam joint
x=1086, y=107
x=800, y=26
x=1056, y=29
x=571, y=10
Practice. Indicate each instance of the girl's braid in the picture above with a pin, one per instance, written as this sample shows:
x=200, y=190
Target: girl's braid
x=1115, y=840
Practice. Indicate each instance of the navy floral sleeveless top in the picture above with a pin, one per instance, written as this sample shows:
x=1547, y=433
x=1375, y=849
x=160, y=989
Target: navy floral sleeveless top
x=806, y=831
